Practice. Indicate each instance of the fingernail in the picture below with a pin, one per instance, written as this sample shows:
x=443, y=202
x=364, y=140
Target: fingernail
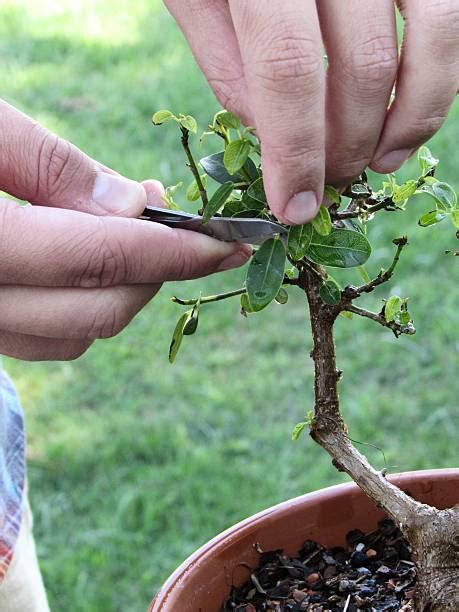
x=391, y=161
x=301, y=208
x=235, y=260
x=118, y=195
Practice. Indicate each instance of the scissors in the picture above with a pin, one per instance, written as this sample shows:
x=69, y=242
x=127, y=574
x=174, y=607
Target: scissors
x=228, y=229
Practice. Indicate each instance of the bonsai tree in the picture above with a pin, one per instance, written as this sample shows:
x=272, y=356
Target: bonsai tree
x=336, y=238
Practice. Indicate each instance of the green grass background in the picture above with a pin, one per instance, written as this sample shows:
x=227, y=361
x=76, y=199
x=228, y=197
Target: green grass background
x=134, y=463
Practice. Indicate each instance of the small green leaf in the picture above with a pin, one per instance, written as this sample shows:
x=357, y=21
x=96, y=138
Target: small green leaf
x=346, y=314
x=331, y=195
x=299, y=239
x=192, y=192
x=215, y=168
x=392, y=308
x=322, y=222
x=297, y=430
x=359, y=191
x=403, y=192
x=168, y=196
x=330, y=292
x=162, y=116
x=177, y=336
x=217, y=201
x=282, y=296
x=444, y=194
x=455, y=218
x=363, y=274
x=252, y=204
x=189, y=123
x=246, y=308
x=431, y=218
x=236, y=154
x=266, y=273
x=228, y=120
x=256, y=191
x=342, y=248
x=191, y=324
x=427, y=162
x=404, y=315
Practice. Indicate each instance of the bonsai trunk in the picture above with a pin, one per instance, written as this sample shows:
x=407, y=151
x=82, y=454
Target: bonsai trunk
x=432, y=533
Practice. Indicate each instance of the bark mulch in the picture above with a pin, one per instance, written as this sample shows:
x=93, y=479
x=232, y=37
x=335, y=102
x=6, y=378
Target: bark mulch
x=374, y=572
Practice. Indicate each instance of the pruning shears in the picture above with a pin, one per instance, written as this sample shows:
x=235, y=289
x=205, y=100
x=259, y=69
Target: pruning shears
x=228, y=229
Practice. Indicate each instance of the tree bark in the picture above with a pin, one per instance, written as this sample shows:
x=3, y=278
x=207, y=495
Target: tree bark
x=433, y=534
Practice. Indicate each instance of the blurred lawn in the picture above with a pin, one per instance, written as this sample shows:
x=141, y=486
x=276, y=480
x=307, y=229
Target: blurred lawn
x=134, y=463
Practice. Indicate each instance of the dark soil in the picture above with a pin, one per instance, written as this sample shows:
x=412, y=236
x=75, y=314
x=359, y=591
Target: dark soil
x=374, y=572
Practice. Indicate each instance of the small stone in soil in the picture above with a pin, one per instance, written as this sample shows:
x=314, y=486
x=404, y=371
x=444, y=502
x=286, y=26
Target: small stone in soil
x=376, y=572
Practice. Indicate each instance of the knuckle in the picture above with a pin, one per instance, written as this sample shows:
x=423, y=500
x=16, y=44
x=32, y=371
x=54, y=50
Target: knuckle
x=229, y=91
x=422, y=128
x=58, y=166
x=442, y=16
x=108, y=322
x=107, y=263
x=299, y=154
x=72, y=351
x=289, y=65
x=372, y=64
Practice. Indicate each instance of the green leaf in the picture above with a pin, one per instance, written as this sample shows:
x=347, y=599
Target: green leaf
x=427, y=162
x=346, y=314
x=215, y=168
x=162, y=116
x=364, y=274
x=282, y=296
x=246, y=308
x=431, y=218
x=392, y=308
x=191, y=324
x=168, y=196
x=177, y=336
x=330, y=292
x=359, y=191
x=331, y=195
x=404, y=316
x=236, y=154
x=444, y=194
x=299, y=239
x=342, y=248
x=297, y=430
x=189, y=123
x=192, y=192
x=228, y=120
x=455, y=218
x=217, y=201
x=322, y=222
x=265, y=273
x=252, y=204
x=403, y=192
x=256, y=191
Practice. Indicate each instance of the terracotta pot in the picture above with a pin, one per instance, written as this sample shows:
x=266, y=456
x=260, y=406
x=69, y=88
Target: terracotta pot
x=204, y=580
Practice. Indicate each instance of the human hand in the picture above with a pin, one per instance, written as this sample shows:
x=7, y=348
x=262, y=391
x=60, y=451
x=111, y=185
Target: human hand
x=74, y=267
x=264, y=61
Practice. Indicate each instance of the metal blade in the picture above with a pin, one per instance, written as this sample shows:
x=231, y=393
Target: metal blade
x=228, y=229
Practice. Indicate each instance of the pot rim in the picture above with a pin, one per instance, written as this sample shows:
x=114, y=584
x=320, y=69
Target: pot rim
x=219, y=541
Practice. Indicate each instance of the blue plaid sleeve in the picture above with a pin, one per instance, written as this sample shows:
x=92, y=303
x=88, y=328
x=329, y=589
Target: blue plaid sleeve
x=12, y=469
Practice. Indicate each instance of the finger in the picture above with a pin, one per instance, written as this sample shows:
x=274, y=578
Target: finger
x=34, y=348
x=155, y=192
x=427, y=82
x=51, y=247
x=362, y=65
x=209, y=30
x=38, y=166
x=281, y=49
x=71, y=313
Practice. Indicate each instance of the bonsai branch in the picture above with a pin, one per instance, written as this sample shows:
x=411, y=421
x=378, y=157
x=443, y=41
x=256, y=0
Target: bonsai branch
x=192, y=165
x=397, y=328
x=224, y=296
x=352, y=292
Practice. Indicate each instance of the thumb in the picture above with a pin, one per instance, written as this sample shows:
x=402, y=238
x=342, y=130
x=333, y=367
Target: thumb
x=38, y=166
